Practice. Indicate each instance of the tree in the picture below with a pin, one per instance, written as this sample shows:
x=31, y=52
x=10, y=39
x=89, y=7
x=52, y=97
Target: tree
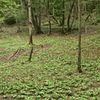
x=69, y=24
x=49, y=18
x=36, y=16
x=79, y=45
x=30, y=30
x=98, y=11
x=63, y=17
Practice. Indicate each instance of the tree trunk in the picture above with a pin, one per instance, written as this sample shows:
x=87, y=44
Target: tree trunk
x=49, y=18
x=30, y=30
x=18, y=26
x=36, y=19
x=40, y=14
x=79, y=45
x=63, y=17
x=1, y=24
x=69, y=17
x=49, y=32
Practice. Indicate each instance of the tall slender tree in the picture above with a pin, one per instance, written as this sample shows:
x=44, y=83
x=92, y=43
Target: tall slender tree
x=30, y=30
x=49, y=18
x=36, y=15
x=63, y=17
x=79, y=45
x=69, y=24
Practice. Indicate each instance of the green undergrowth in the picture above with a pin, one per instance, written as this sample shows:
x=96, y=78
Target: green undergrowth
x=52, y=74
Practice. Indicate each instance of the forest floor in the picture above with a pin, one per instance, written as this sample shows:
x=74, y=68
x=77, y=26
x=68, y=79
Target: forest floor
x=52, y=74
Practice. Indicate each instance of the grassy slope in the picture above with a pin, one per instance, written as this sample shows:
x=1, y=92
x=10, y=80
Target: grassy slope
x=53, y=70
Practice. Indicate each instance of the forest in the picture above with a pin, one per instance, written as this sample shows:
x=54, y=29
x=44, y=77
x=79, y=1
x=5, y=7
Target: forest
x=49, y=49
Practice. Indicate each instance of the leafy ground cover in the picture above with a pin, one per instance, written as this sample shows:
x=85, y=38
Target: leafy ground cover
x=52, y=74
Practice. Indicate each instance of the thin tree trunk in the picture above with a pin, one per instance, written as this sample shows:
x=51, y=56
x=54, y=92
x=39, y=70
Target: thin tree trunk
x=63, y=17
x=36, y=21
x=17, y=17
x=49, y=26
x=30, y=55
x=49, y=18
x=1, y=27
x=40, y=14
x=30, y=30
x=30, y=22
x=18, y=26
x=79, y=45
x=69, y=17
